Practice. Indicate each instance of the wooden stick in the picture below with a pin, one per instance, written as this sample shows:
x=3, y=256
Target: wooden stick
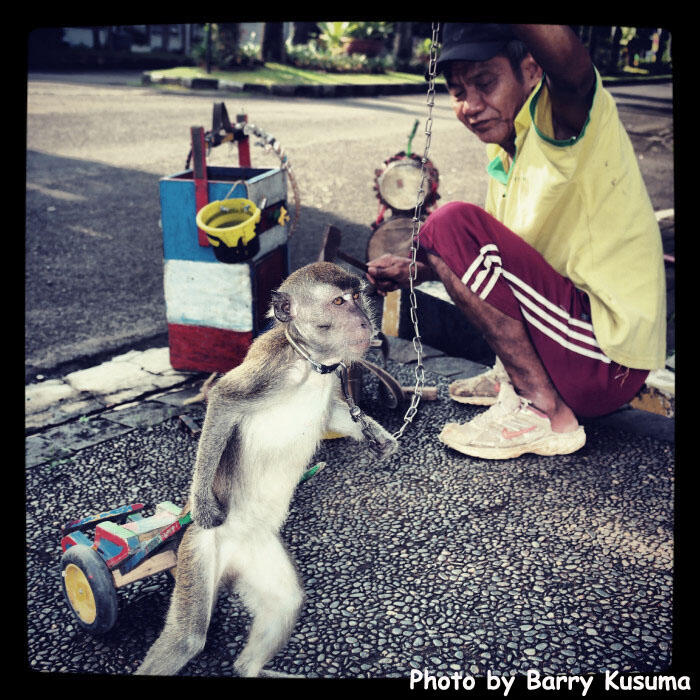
x=429, y=392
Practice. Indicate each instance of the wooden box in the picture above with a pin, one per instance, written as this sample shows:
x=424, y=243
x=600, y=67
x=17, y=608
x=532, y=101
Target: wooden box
x=215, y=309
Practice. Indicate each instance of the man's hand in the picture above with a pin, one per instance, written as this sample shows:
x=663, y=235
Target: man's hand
x=389, y=272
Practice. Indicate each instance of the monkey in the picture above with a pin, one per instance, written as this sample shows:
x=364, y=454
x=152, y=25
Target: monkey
x=264, y=421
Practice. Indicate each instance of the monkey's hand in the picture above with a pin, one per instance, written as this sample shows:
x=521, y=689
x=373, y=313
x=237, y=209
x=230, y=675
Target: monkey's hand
x=207, y=512
x=384, y=444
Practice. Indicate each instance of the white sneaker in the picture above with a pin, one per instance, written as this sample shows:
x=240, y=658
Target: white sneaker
x=510, y=428
x=481, y=390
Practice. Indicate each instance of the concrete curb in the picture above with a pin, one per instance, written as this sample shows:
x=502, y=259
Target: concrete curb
x=87, y=392
x=324, y=90
x=337, y=90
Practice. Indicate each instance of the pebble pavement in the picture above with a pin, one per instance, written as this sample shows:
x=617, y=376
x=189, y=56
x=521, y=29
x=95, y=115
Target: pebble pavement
x=428, y=561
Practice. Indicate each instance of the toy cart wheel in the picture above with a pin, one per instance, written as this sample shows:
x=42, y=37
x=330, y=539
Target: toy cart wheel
x=89, y=589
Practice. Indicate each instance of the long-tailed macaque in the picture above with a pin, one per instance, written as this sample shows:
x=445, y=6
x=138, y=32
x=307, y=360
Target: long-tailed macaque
x=264, y=421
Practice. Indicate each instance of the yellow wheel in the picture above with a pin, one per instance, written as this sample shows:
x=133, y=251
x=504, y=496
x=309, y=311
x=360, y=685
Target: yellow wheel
x=80, y=594
x=88, y=588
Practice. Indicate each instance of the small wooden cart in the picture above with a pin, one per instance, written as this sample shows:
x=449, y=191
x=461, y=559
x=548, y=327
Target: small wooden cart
x=126, y=547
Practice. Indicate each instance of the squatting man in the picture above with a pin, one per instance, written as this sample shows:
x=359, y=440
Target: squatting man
x=562, y=269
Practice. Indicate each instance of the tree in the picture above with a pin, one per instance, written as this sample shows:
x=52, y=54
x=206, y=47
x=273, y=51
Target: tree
x=403, y=43
x=227, y=39
x=272, y=43
x=664, y=43
x=165, y=36
x=614, y=58
x=184, y=39
x=598, y=38
x=303, y=31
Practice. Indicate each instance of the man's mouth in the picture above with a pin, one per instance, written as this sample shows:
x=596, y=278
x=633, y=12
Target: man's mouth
x=483, y=125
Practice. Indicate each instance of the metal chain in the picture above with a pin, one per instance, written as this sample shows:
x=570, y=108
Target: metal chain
x=415, y=241
x=270, y=143
x=356, y=412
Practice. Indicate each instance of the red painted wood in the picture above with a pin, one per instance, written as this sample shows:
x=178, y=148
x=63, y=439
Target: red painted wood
x=243, y=145
x=121, y=543
x=199, y=174
x=202, y=349
x=270, y=272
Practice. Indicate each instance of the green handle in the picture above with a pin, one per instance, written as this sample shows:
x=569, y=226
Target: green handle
x=410, y=138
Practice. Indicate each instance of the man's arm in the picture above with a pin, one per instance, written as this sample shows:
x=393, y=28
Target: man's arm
x=569, y=73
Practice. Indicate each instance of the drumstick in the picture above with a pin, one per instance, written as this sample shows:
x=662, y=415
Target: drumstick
x=330, y=249
x=351, y=261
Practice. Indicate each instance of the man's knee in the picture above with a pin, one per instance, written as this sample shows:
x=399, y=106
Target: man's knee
x=456, y=232
x=454, y=211
x=452, y=220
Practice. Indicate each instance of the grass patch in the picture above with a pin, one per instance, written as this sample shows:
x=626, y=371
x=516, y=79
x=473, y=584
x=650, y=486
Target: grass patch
x=280, y=74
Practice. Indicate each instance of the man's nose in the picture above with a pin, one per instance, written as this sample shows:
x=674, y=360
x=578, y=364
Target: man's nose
x=470, y=105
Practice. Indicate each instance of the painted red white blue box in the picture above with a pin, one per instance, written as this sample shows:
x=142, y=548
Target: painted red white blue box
x=215, y=309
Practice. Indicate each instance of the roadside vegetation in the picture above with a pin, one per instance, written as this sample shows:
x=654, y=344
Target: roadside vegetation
x=280, y=74
x=307, y=53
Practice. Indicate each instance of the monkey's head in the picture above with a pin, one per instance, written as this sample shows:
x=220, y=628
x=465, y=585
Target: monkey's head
x=324, y=307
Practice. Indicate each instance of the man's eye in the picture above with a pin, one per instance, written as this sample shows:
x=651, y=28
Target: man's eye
x=324, y=326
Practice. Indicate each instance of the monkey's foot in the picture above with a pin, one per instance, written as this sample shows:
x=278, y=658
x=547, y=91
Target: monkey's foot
x=268, y=673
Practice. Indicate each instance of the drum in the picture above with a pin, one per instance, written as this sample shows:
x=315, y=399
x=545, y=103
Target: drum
x=398, y=182
x=393, y=236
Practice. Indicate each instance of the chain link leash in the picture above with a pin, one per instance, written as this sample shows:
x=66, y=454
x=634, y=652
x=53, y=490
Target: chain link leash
x=270, y=143
x=415, y=242
x=356, y=412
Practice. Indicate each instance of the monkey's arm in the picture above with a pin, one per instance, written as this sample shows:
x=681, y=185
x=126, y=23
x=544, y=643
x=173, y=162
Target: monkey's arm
x=340, y=421
x=218, y=431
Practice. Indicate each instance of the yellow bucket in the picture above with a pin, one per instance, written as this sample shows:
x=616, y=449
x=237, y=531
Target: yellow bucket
x=230, y=228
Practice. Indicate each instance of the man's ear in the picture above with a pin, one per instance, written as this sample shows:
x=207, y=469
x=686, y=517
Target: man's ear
x=531, y=71
x=282, y=306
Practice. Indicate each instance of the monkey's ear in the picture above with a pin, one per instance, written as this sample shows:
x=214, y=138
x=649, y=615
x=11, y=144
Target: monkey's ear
x=282, y=306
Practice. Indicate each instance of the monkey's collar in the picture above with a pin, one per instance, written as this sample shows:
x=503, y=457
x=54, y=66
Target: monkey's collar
x=321, y=369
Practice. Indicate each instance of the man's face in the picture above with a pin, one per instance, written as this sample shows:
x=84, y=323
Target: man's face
x=487, y=96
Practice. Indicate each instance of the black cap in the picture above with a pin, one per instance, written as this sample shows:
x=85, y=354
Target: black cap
x=472, y=42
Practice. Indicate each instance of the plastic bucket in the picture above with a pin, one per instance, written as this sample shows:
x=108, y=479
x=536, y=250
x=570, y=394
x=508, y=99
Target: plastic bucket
x=230, y=228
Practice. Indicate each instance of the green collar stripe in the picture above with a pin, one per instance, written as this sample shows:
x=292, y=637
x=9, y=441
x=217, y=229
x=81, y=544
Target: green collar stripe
x=496, y=170
x=558, y=142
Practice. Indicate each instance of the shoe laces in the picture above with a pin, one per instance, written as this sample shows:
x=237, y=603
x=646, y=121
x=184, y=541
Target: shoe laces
x=507, y=403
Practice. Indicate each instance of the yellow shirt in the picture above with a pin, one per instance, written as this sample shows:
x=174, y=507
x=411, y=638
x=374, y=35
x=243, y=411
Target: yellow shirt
x=583, y=205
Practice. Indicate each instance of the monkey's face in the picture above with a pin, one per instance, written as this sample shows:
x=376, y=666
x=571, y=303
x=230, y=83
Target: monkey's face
x=324, y=306
x=335, y=324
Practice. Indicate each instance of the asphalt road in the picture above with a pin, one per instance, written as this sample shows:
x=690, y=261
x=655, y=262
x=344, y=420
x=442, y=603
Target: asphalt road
x=96, y=148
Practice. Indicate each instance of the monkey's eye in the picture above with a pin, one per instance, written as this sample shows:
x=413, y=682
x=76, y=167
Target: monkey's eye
x=324, y=326
x=338, y=301
x=356, y=295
